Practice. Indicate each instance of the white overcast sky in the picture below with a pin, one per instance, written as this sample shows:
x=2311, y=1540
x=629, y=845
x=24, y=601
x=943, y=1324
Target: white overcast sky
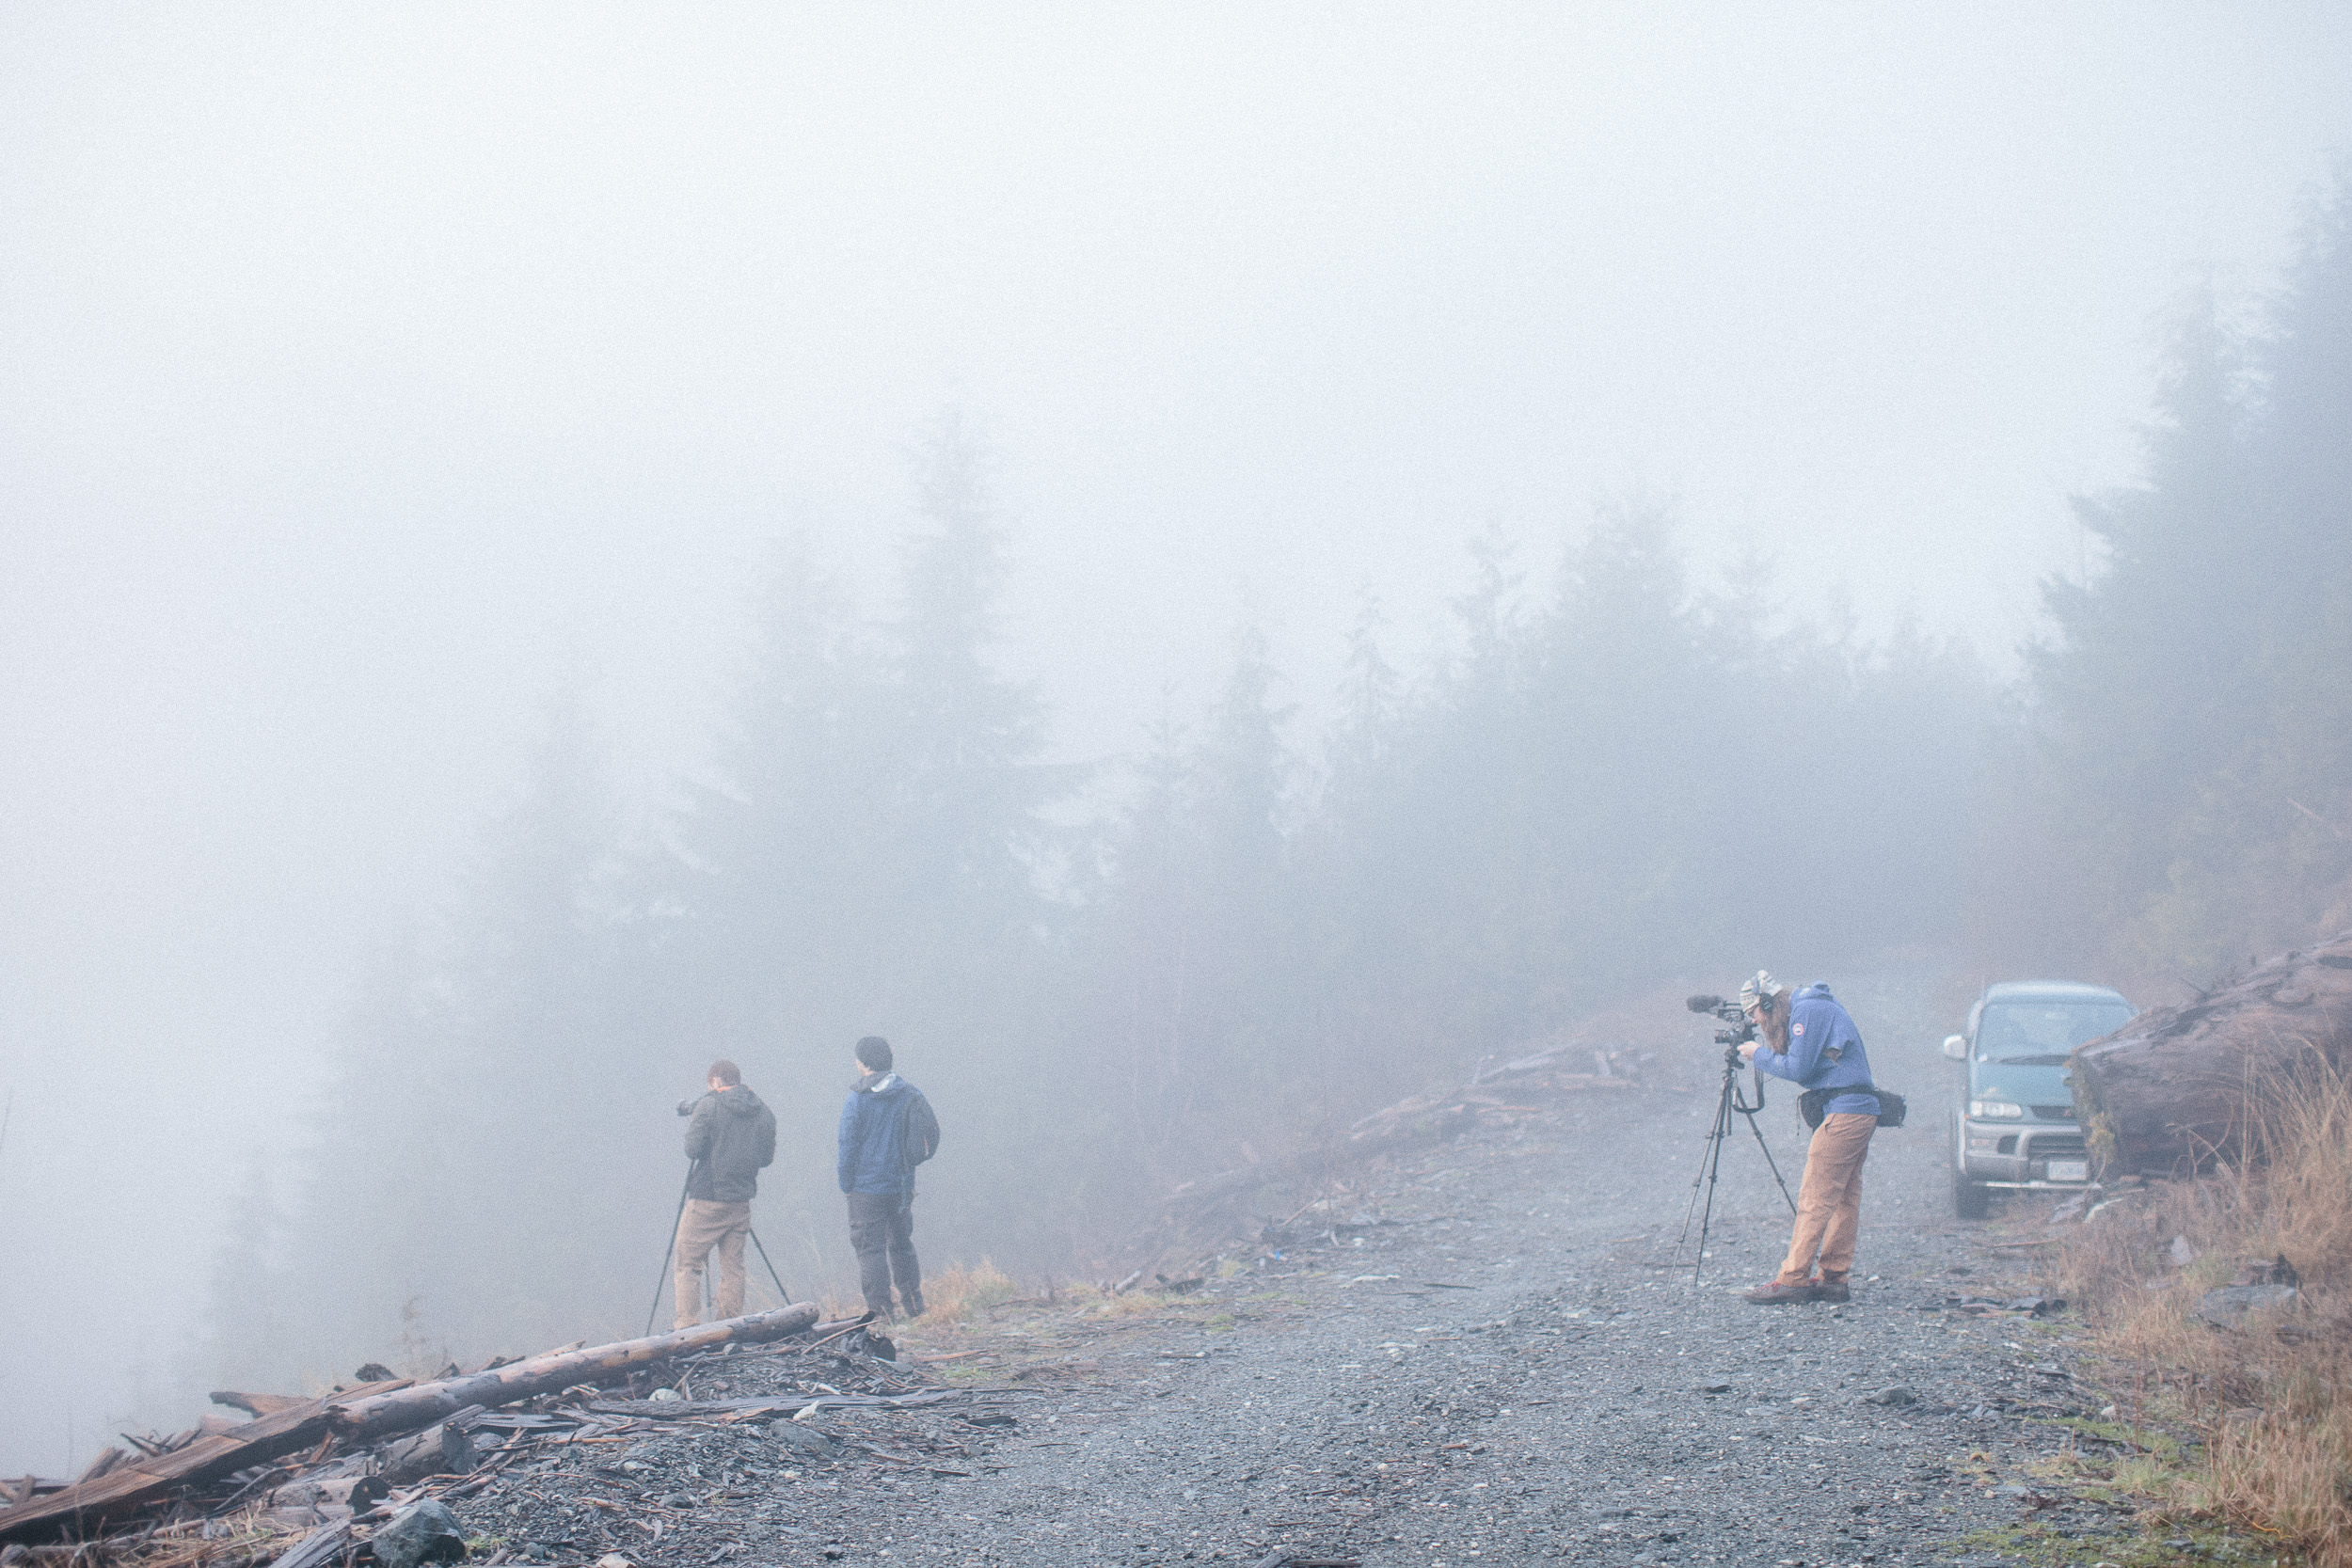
x=370, y=376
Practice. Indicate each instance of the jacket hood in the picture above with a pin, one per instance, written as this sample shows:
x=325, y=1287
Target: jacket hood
x=884, y=1085
x=1817, y=991
x=740, y=1102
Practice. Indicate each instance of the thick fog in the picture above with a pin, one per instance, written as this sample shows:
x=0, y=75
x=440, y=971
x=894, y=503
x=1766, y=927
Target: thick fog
x=415, y=418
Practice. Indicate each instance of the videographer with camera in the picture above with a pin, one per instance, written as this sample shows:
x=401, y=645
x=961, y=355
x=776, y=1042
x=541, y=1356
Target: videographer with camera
x=1810, y=1040
x=731, y=1138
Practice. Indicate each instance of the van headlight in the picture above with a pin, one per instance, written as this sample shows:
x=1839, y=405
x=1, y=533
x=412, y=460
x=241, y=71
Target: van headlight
x=1995, y=1110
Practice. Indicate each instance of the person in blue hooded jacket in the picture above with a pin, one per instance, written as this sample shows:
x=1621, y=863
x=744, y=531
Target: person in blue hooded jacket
x=887, y=1128
x=1810, y=1040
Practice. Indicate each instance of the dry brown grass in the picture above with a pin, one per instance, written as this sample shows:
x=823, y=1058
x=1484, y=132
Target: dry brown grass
x=950, y=1296
x=2276, y=1456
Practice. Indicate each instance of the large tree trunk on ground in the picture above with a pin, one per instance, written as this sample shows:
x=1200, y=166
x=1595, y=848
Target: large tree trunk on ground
x=403, y=1410
x=2174, y=1088
x=362, y=1416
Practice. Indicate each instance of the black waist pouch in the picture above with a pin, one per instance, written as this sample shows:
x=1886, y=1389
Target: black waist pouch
x=1814, y=1103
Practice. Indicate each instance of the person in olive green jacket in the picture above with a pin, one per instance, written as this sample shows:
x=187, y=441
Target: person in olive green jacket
x=731, y=1139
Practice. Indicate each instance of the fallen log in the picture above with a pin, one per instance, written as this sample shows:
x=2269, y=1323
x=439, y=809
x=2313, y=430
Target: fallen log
x=444, y=1449
x=2177, y=1088
x=131, y=1487
x=364, y=1420
x=362, y=1416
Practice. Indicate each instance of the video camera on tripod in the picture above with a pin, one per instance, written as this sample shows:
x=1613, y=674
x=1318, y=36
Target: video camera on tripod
x=1743, y=1027
x=1739, y=1029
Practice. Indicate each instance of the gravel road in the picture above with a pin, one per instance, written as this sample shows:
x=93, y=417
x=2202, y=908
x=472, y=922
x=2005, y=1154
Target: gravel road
x=1480, y=1359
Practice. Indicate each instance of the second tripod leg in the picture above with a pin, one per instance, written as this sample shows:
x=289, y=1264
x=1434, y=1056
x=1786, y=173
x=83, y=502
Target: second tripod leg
x=1773, y=1164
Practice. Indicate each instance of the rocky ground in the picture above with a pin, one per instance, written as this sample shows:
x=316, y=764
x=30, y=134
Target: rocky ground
x=1475, y=1351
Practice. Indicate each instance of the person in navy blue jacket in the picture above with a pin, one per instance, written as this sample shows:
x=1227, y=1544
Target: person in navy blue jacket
x=887, y=1128
x=1809, y=1039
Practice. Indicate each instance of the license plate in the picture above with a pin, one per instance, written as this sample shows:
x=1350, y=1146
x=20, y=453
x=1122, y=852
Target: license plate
x=2070, y=1170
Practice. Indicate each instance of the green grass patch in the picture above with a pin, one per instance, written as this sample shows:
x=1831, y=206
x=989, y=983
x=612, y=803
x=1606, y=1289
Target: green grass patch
x=2154, y=1444
x=2042, y=1545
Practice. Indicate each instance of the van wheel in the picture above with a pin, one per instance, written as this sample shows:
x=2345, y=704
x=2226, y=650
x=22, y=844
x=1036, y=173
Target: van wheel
x=1971, y=1201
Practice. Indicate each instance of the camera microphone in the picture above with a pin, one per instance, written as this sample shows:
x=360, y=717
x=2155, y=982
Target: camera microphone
x=1703, y=1003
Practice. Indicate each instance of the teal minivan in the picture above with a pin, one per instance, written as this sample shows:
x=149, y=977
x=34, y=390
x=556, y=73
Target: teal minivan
x=2016, y=1128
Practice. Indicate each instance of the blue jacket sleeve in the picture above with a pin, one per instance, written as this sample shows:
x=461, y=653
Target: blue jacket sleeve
x=1812, y=1030
x=1796, y=1065
x=848, y=1158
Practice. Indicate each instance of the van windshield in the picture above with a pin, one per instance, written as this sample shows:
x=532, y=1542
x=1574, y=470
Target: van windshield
x=2021, y=1049
x=2042, y=1033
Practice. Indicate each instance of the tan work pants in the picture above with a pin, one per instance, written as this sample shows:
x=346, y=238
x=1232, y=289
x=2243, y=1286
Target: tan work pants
x=1829, y=1203
x=703, y=1225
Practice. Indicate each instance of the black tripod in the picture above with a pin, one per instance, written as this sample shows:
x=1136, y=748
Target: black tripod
x=781, y=1294
x=1727, y=1101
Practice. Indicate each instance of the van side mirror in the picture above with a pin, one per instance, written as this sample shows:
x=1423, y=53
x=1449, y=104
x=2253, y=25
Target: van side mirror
x=1956, y=1047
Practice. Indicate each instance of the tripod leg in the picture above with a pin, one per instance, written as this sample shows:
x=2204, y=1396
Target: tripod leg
x=1708, y=1157
x=1715, y=1166
x=784, y=1297
x=1772, y=1162
x=1710, y=1167
x=663, y=1276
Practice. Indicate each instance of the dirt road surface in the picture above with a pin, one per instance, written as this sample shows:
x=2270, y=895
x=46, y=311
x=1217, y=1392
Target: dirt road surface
x=1473, y=1352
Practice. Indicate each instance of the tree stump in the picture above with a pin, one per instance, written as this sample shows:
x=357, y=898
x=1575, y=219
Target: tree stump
x=2175, y=1089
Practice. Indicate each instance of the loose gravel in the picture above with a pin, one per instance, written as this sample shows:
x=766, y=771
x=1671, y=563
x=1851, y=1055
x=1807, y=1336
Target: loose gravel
x=1475, y=1353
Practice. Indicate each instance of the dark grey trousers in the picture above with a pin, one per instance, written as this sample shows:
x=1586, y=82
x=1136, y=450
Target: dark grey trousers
x=881, y=1228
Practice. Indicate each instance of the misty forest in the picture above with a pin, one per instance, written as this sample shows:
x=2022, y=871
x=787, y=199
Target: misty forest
x=1631, y=769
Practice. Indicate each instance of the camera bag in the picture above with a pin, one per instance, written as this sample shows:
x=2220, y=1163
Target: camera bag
x=1814, y=1103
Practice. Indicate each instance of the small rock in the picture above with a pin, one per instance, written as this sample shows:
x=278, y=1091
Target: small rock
x=421, y=1532
x=458, y=1453
x=2277, y=1272
x=1894, y=1394
x=677, y=1499
x=2183, y=1254
x=2227, y=1308
x=614, y=1560
x=808, y=1440
x=1712, y=1388
x=665, y=1395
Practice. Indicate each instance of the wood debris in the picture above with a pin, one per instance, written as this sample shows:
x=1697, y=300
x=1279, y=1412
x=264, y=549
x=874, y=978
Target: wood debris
x=222, y=1492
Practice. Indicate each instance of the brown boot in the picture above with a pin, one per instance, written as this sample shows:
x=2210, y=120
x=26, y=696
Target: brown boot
x=1826, y=1289
x=1776, y=1294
